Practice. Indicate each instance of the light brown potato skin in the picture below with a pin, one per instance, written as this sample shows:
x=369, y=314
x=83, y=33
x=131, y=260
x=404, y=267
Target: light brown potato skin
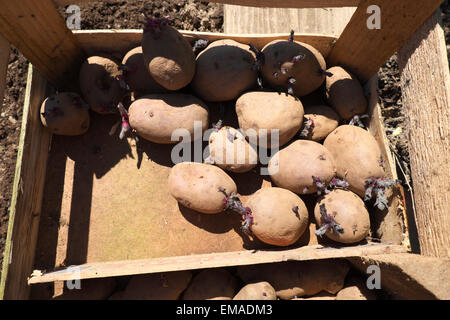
x=224, y=71
x=345, y=93
x=271, y=111
x=196, y=186
x=65, y=114
x=323, y=295
x=139, y=79
x=294, y=166
x=155, y=117
x=212, y=284
x=256, y=291
x=242, y=156
x=296, y=279
x=279, y=53
x=325, y=121
x=349, y=211
x=91, y=289
x=169, y=58
x=356, y=289
x=357, y=156
x=157, y=286
x=99, y=85
x=274, y=220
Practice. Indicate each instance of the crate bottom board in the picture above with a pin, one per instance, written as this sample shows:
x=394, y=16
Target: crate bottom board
x=107, y=199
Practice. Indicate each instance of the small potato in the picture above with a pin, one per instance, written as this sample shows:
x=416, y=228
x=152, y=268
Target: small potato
x=325, y=120
x=167, y=55
x=356, y=289
x=256, y=291
x=230, y=151
x=99, y=84
x=212, y=284
x=280, y=217
x=157, y=286
x=196, y=186
x=345, y=93
x=357, y=156
x=349, y=211
x=294, y=167
x=137, y=76
x=65, y=114
x=224, y=71
x=280, y=66
x=156, y=117
x=299, y=278
x=260, y=112
x=91, y=289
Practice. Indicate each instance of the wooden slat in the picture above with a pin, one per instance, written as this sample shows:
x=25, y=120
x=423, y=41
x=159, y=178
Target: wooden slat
x=124, y=40
x=211, y=260
x=26, y=199
x=5, y=49
x=259, y=3
x=409, y=276
x=364, y=51
x=332, y=21
x=425, y=82
x=37, y=30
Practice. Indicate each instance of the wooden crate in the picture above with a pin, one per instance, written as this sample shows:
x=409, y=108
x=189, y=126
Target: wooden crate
x=78, y=196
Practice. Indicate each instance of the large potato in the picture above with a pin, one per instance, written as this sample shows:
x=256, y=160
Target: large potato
x=224, y=71
x=196, y=186
x=256, y=291
x=280, y=217
x=296, y=279
x=65, y=114
x=325, y=120
x=155, y=117
x=136, y=74
x=167, y=55
x=230, y=150
x=294, y=167
x=260, y=112
x=357, y=156
x=100, y=85
x=279, y=66
x=345, y=93
x=212, y=284
x=157, y=286
x=349, y=211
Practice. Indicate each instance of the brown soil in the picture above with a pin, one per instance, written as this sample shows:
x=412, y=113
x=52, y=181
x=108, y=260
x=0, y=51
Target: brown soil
x=185, y=15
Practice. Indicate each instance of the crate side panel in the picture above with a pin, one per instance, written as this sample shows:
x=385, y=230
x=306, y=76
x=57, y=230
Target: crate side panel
x=27, y=193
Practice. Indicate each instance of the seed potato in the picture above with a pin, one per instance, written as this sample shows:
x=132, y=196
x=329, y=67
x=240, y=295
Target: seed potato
x=155, y=117
x=280, y=217
x=212, y=284
x=294, y=166
x=268, y=111
x=325, y=121
x=196, y=186
x=224, y=71
x=256, y=291
x=65, y=114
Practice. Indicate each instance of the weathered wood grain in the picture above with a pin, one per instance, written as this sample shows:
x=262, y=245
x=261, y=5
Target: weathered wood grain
x=26, y=201
x=425, y=83
x=37, y=30
x=329, y=21
x=211, y=260
x=363, y=51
